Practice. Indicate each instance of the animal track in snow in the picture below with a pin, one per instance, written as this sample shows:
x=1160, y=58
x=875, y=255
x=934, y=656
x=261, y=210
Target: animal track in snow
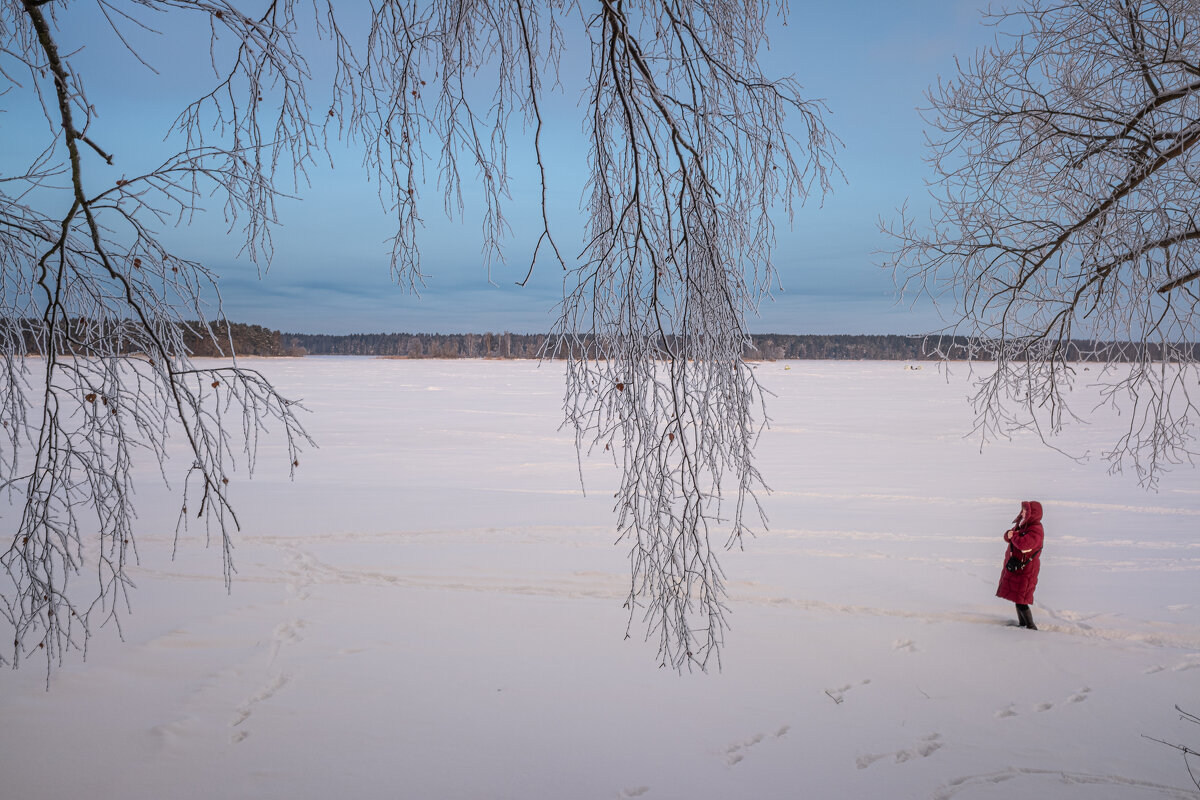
x=635, y=792
x=927, y=746
x=905, y=645
x=303, y=570
x=735, y=752
x=286, y=633
x=246, y=708
x=1010, y=710
x=1191, y=661
x=839, y=694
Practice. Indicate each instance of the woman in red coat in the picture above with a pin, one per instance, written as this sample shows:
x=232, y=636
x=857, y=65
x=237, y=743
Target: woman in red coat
x=1025, y=544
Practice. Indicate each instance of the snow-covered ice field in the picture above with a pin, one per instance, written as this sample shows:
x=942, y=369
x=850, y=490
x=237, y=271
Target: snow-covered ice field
x=433, y=610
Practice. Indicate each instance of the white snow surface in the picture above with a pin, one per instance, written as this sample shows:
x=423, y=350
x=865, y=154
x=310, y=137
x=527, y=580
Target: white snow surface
x=432, y=609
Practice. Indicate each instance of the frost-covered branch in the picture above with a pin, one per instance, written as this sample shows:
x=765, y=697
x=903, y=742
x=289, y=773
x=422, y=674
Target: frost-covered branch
x=1064, y=206
x=1189, y=753
x=94, y=361
x=692, y=152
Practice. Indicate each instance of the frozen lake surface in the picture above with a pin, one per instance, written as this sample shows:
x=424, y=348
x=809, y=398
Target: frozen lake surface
x=432, y=609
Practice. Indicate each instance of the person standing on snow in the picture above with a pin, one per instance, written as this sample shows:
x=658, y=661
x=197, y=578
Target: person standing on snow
x=1022, y=561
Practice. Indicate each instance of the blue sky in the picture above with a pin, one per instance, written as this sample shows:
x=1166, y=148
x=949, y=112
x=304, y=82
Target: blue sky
x=871, y=62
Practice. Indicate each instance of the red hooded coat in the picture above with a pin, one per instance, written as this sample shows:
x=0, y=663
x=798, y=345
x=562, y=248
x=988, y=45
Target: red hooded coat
x=1026, y=541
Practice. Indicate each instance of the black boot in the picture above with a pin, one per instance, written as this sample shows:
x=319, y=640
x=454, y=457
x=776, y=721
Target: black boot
x=1025, y=616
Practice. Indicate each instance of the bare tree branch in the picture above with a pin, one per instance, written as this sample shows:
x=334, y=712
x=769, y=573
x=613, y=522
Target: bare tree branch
x=1065, y=188
x=1187, y=752
x=691, y=153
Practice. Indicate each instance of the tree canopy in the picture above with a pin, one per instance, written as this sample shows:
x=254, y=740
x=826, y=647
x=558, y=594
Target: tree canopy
x=1065, y=189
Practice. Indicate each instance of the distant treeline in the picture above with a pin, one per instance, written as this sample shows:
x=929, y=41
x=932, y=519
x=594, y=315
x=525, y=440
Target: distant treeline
x=255, y=340
x=247, y=340
x=78, y=337
x=763, y=347
x=419, y=345
x=513, y=345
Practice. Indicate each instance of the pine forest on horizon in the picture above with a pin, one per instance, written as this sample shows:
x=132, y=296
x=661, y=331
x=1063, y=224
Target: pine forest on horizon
x=257, y=340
